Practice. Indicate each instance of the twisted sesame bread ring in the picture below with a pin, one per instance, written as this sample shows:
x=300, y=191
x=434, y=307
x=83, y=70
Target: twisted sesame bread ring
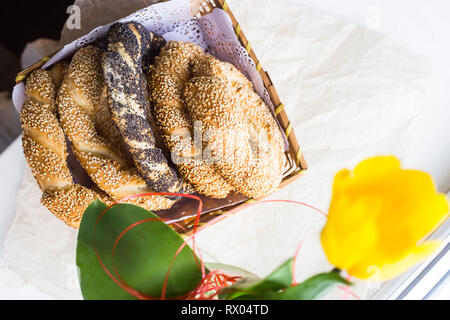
x=166, y=84
x=245, y=137
x=122, y=66
x=106, y=128
x=45, y=149
x=57, y=72
x=78, y=101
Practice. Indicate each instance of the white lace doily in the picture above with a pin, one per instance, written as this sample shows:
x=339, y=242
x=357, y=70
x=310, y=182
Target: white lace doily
x=222, y=42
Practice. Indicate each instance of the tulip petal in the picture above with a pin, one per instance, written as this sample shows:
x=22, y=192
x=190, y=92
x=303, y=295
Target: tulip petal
x=384, y=269
x=344, y=251
x=375, y=168
x=378, y=214
x=410, y=214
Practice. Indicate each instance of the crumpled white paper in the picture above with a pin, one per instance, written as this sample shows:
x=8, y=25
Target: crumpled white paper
x=350, y=93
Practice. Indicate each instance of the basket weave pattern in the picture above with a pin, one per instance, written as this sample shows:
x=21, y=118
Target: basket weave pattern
x=296, y=163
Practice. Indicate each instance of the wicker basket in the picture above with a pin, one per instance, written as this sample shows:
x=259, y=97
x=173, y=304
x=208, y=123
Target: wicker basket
x=296, y=163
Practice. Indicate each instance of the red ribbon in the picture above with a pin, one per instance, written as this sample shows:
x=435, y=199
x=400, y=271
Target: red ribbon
x=211, y=284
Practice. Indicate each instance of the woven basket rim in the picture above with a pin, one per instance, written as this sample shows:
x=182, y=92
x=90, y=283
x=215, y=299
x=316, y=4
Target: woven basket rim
x=296, y=163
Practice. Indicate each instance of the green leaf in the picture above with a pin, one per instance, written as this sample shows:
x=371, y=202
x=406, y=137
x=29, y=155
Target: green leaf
x=142, y=256
x=277, y=286
x=279, y=279
x=310, y=289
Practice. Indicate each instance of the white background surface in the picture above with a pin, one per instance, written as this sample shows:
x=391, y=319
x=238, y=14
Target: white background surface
x=422, y=26
x=418, y=25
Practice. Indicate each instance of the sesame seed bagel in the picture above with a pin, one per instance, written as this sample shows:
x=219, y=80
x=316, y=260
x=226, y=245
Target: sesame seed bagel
x=167, y=79
x=122, y=66
x=45, y=150
x=79, y=100
x=245, y=139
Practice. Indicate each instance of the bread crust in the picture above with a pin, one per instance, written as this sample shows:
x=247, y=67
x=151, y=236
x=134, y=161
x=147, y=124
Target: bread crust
x=122, y=66
x=166, y=84
x=245, y=139
x=79, y=101
x=45, y=150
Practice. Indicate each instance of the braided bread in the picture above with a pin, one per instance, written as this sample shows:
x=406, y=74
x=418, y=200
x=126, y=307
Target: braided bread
x=57, y=72
x=244, y=136
x=166, y=85
x=122, y=67
x=106, y=128
x=78, y=101
x=45, y=150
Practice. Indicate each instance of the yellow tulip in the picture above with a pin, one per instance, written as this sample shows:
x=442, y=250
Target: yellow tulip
x=378, y=216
